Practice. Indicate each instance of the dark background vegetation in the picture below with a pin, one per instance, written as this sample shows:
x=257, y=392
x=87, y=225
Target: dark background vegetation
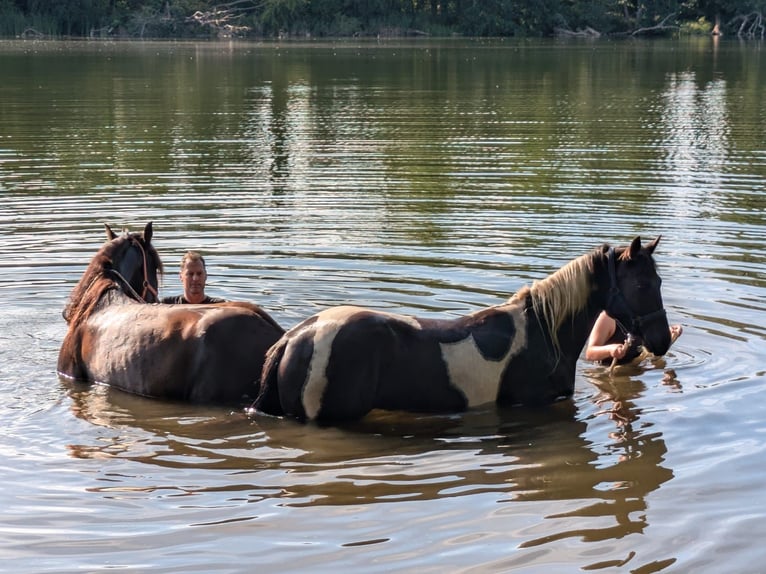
x=324, y=18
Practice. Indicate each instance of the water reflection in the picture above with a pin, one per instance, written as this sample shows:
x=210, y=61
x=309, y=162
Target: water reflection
x=516, y=455
x=696, y=127
x=421, y=181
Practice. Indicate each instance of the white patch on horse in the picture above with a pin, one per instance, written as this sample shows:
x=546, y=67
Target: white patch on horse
x=325, y=330
x=329, y=322
x=476, y=377
x=316, y=378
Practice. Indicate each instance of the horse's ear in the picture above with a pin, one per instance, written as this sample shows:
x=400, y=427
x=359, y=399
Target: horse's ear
x=148, y=232
x=650, y=247
x=109, y=233
x=635, y=247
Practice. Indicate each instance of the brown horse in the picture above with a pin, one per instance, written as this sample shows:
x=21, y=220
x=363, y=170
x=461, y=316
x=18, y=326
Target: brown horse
x=345, y=361
x=197, y=353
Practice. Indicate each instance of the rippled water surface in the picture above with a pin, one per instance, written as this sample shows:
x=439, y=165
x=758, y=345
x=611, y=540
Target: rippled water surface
x=432, y=178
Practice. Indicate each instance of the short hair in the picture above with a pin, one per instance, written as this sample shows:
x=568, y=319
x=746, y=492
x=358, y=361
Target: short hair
x=190, y=256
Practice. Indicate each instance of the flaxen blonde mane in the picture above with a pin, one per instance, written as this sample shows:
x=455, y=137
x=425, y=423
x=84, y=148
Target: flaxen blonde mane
x=564, y=293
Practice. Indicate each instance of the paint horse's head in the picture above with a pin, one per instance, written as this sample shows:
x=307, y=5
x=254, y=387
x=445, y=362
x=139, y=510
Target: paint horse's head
x=633, y=297
x=135, y=264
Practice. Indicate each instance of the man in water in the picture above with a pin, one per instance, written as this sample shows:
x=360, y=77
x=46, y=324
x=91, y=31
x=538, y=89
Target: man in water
x=193, y=278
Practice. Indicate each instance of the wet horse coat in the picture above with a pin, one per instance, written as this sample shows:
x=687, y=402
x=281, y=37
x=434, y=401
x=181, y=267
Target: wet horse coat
x=198, y=353
x=345, y=361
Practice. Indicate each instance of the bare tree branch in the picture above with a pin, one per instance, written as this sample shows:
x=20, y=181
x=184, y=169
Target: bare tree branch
x=222, y=17
x=657, y=27
x=751, y=24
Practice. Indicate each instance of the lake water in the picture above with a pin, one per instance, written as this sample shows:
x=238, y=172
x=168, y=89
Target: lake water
x=432, y=178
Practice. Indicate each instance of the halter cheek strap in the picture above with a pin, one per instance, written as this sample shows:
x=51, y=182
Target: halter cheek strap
x=615, y=299
x=147, y=287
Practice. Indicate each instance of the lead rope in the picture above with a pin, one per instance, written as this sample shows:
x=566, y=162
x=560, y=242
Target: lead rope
x=628, y=341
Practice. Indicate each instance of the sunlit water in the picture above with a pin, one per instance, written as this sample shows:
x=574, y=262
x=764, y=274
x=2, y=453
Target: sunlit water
x=428, y=178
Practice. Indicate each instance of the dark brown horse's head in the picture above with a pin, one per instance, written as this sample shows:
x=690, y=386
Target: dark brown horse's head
x=134, y=263
x=634, y=298
x=128, y=261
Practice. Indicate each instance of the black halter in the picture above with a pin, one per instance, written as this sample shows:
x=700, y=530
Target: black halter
x=616, y=303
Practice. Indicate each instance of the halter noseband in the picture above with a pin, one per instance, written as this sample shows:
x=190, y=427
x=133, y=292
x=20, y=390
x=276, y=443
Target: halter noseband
x=147, y=287
x=615, y=297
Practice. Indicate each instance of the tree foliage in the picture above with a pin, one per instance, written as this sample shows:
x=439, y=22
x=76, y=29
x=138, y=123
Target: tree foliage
x=269, y=18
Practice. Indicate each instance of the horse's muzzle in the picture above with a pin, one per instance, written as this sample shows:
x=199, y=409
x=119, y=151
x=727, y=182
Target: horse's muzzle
x=657, y=340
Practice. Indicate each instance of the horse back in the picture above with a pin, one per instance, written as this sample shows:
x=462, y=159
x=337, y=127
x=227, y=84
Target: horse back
x=255, y=309
x=198, y=353
x=345, y=361
x=233, y=342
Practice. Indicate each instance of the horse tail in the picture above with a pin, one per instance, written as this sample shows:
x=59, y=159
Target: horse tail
x=268, y=400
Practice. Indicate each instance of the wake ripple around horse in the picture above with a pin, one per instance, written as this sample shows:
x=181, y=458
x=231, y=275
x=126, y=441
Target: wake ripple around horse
x=345, y=361
x=198, y=353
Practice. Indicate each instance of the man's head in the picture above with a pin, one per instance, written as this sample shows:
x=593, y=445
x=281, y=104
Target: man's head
x=193, y=276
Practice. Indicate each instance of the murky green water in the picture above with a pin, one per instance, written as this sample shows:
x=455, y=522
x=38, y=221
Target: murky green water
x=431, y=178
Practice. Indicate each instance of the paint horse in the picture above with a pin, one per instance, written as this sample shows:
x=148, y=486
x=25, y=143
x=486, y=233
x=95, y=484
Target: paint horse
x=210, y=354
x=345, y=361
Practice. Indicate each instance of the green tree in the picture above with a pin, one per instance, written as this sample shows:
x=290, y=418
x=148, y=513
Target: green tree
x=368, y=17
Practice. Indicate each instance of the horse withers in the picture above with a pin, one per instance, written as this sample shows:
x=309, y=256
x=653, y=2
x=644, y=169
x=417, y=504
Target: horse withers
x=345, y=361
x=210, y=354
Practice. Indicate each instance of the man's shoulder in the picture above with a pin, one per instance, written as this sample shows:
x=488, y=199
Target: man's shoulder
x=180, y=300
x=173, y=300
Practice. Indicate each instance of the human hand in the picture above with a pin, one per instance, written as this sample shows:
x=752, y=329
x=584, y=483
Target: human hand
x=617, y=351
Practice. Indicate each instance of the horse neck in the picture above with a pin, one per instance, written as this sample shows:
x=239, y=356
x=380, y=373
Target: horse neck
x=568, y=302
x=573, y=332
